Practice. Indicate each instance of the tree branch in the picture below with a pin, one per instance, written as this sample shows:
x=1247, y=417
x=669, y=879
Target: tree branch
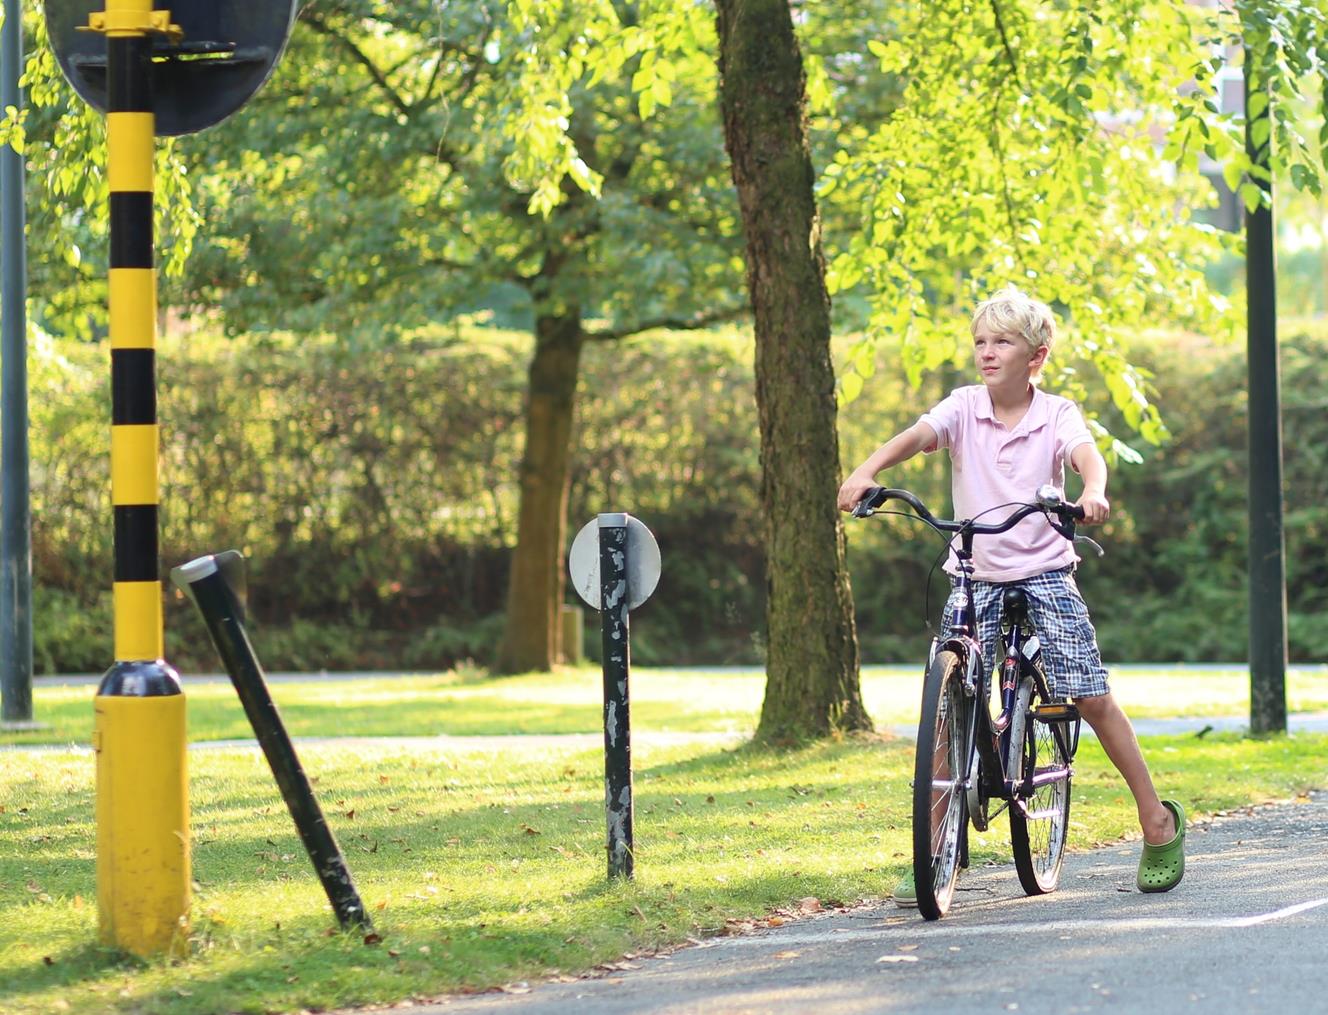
x=672, y=323
x=1007, y=197
x=323, y=28
x=468, y=79
x=1005, y=43
x=440, y=152
x=447, y=262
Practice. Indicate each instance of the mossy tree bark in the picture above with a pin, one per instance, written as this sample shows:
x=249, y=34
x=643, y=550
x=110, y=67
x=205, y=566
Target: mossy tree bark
x=812, y=683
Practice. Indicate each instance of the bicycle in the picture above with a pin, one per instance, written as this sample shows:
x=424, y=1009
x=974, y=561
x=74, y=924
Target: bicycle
x=966, y=759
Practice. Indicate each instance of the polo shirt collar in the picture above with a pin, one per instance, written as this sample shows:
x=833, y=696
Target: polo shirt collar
x=1035, y=417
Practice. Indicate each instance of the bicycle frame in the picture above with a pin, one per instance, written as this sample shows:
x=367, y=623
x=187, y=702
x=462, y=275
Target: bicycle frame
x=989, y=737
x=993, y=746
x=963, y=641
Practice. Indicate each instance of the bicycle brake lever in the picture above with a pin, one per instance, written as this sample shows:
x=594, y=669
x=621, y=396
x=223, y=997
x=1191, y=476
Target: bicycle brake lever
x=864, y=508
x=1064, y=527
x=1096, y=548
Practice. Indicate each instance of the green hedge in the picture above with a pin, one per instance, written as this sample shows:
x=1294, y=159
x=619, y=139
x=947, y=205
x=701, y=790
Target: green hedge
x=374, y=493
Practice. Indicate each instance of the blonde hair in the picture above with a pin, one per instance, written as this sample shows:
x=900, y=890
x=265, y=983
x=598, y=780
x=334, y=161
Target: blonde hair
x=1011, y=312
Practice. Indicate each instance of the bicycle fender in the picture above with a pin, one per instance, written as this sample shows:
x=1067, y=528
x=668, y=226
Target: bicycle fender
x=965, y=647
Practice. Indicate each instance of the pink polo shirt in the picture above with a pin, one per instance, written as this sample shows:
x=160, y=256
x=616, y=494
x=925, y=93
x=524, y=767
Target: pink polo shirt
x=994, y=466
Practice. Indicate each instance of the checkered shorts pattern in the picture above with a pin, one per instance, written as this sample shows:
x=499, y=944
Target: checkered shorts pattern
x=1060, y=618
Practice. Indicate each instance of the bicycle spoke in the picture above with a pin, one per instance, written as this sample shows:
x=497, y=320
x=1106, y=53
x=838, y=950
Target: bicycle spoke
x=1039, y=822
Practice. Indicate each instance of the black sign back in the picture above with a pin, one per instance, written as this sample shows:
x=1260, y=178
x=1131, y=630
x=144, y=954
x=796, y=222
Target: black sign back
x=228, y=50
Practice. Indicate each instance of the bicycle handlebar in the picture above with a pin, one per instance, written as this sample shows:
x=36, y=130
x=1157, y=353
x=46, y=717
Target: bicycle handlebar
x=1048, y=500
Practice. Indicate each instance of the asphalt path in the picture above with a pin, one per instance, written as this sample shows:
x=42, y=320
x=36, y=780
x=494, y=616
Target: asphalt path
x=1246, y=931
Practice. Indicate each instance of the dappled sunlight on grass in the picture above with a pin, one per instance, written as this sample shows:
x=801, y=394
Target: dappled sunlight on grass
x=570, y=701
x=482, y=867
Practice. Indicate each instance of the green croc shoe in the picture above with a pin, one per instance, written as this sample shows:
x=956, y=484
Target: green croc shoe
x=1162, y=867
x=906, y=892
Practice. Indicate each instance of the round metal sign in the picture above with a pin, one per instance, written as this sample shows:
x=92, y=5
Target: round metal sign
x=643, y=561
x=228, y=49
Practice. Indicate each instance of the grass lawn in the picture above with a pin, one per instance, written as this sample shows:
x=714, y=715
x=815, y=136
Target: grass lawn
x=570, y=701
x=482, y=868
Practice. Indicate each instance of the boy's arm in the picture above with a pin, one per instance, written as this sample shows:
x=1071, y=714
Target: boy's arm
x=1090, y=465
x=900, y=448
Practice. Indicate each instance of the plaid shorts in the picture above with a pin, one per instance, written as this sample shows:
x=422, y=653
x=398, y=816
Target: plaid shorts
x=1069, y=644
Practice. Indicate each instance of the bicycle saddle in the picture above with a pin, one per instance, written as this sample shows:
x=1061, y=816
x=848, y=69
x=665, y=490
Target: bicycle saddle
x=1014, y=607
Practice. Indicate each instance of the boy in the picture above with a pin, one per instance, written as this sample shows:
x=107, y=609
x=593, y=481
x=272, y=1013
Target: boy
x=1006, y=438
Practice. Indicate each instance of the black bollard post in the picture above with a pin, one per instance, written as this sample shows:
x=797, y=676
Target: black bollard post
x=211, y=583
x=614, y=563
x=616, y=657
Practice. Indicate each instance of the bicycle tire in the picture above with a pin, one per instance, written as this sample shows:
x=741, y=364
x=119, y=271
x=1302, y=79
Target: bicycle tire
x=940, y=808
x=1016, y=757
x=1038, y=823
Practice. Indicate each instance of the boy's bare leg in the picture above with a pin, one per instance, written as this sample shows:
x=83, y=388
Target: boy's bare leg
x=1117, y=738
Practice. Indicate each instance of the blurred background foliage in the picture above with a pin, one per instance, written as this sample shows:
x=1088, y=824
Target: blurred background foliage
x=366, y=461
x=375, y=496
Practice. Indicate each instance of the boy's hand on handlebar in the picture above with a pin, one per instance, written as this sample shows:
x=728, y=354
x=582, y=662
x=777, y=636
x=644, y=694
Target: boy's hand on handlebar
x=1096, y=508
x=853, y=490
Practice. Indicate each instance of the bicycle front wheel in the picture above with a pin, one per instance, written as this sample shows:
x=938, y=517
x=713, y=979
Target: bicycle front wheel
x=1040, y=815
x=939, y=797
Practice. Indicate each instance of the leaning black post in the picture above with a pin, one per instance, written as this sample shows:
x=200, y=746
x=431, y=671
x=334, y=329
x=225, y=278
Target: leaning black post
x=212, y=583
x=616, y=656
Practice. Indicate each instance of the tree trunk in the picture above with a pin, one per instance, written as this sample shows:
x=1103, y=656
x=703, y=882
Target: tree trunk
x=812, y=685
x=535, y=585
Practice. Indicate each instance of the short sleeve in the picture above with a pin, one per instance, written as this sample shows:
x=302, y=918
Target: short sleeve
x=945, y=418
x=1071, y=432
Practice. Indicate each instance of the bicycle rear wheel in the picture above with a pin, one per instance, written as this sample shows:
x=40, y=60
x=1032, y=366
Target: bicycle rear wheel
x=939, y=799
x=1038, y=821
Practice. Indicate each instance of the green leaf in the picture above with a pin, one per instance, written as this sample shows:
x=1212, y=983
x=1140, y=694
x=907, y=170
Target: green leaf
x=1123, y=452
x=850, y=387
x=662, y=92
x=1232, y=171
x=1259, y=131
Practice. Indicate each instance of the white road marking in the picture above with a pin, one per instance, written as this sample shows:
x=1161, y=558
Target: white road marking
x=1300, y=907
x=944, y=929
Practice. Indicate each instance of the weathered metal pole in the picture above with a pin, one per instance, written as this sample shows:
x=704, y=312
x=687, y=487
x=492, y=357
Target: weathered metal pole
x=15, y=515
x=616, y=658
x=1267, y=547
x=205, y=581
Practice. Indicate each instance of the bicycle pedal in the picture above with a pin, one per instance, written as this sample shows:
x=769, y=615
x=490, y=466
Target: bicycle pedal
x=1056, y=711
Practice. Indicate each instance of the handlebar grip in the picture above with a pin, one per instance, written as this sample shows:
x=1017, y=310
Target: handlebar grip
x=871, y=500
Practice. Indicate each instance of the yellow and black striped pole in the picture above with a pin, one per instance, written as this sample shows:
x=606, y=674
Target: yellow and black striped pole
x=142, y=793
